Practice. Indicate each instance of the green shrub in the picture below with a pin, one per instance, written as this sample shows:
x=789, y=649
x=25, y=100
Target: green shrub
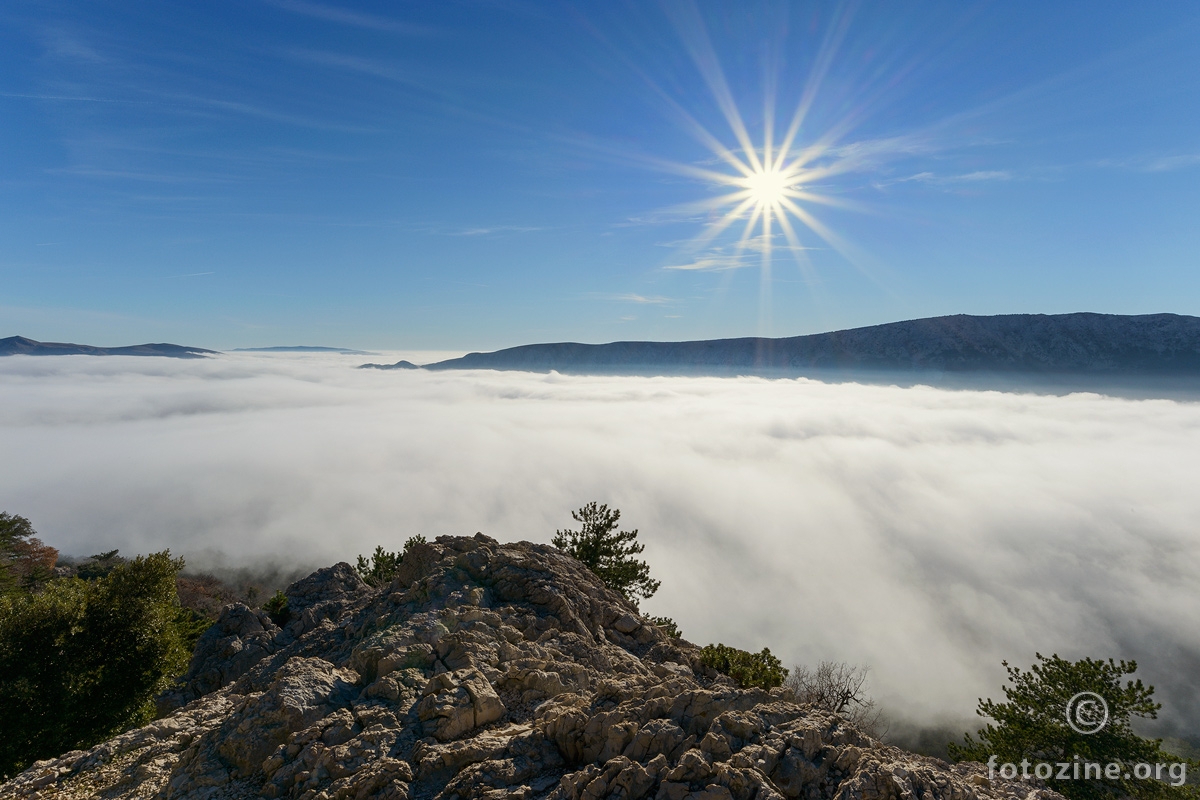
x=748, y=669
x=382, y=567
x=1033, y=725
x=668, y=626
x=99, y=565
x=277, y=608
x=608, y=552
x=191, y=625
x=81, y=661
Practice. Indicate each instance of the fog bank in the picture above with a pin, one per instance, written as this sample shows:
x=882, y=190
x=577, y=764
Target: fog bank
x=925, y=532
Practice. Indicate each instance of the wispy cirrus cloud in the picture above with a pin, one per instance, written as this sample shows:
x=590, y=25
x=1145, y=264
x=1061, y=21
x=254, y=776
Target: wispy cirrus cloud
x=747, y=254
x=65, y=44
x=345, y=16
x=138, y=175
x=713, y=263
x=367, y=66
x=630, y=297
x=494, y=229
x=1172, y=163
x=943, y=180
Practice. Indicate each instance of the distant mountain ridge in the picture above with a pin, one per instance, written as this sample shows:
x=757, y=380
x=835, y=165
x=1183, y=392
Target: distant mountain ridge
x=1113, y=344
x=19, y=345
x=302, y=348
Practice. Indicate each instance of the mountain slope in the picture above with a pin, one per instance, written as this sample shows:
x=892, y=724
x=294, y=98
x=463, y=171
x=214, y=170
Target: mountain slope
x=485, y=670
x=19, y=345
x=301, y=348
x=1152, y=344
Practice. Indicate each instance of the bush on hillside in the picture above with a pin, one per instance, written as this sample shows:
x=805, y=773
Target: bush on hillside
x=99, y=565
x=277, y=608
x=1034, y=724
x=382, y=567
x=82, y=660
x=749, y=669
x=608, y=552
x=668, y=626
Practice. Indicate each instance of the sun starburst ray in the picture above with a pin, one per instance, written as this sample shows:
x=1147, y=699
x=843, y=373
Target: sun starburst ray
x=799, y=251
x=721, y=225
x=769, y=185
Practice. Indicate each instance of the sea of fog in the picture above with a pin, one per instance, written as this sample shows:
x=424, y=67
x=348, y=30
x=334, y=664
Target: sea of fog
x=927, y=533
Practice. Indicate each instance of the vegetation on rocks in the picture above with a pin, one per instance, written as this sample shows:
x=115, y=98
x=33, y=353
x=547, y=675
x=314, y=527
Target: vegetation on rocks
x=668, y=626
x=608, y=552
x=277, y=608
x=748, y=669
x=82, y=660
x=483, y=671
x=839, y=688
x=469, y=668
x=1033, y=724
x=382, y=567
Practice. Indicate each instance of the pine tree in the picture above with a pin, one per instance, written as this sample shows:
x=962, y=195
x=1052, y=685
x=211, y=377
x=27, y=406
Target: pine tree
x=608, y=552
x=1033, y=724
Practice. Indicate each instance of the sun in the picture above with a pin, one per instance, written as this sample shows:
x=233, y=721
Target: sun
x=768, y=187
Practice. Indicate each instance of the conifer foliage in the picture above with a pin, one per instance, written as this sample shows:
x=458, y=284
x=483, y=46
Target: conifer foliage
x=608, y=552
x=1033, y=724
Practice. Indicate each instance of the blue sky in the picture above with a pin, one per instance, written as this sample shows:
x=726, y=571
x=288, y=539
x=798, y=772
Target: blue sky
x=476, y=175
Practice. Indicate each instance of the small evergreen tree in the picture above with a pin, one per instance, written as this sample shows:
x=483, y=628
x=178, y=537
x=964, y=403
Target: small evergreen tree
x=608, y=552
x=1033, y=725
x=277, y=608
x=668, y=626
x=380, y=569
x=383, y=565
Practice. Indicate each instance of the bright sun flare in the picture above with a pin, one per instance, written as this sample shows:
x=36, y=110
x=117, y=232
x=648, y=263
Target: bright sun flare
x=768, y=187
x=771, y=186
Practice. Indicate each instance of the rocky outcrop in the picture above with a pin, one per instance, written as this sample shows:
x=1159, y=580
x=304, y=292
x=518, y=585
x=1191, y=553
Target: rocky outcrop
x=485, y=670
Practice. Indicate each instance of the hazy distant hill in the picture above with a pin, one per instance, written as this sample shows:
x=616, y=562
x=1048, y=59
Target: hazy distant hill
x=19, y=345
x=1150, y=344
x=397, y=365
x=300, y=348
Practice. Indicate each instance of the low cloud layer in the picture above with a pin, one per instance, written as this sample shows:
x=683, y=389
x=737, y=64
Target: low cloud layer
x=927, y=533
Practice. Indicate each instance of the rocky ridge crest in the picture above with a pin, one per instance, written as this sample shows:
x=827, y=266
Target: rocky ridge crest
x=484, y=670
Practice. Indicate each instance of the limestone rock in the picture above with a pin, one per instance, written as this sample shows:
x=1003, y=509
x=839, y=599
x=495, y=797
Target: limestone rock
x=484, y=670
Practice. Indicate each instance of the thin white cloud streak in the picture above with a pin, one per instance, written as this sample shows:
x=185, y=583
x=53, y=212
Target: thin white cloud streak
x=928, y=533
x=1172, y=163
x=355, y=18
x=714, y=263
x=488, y=231
x=631, y=297
x=934, y=178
